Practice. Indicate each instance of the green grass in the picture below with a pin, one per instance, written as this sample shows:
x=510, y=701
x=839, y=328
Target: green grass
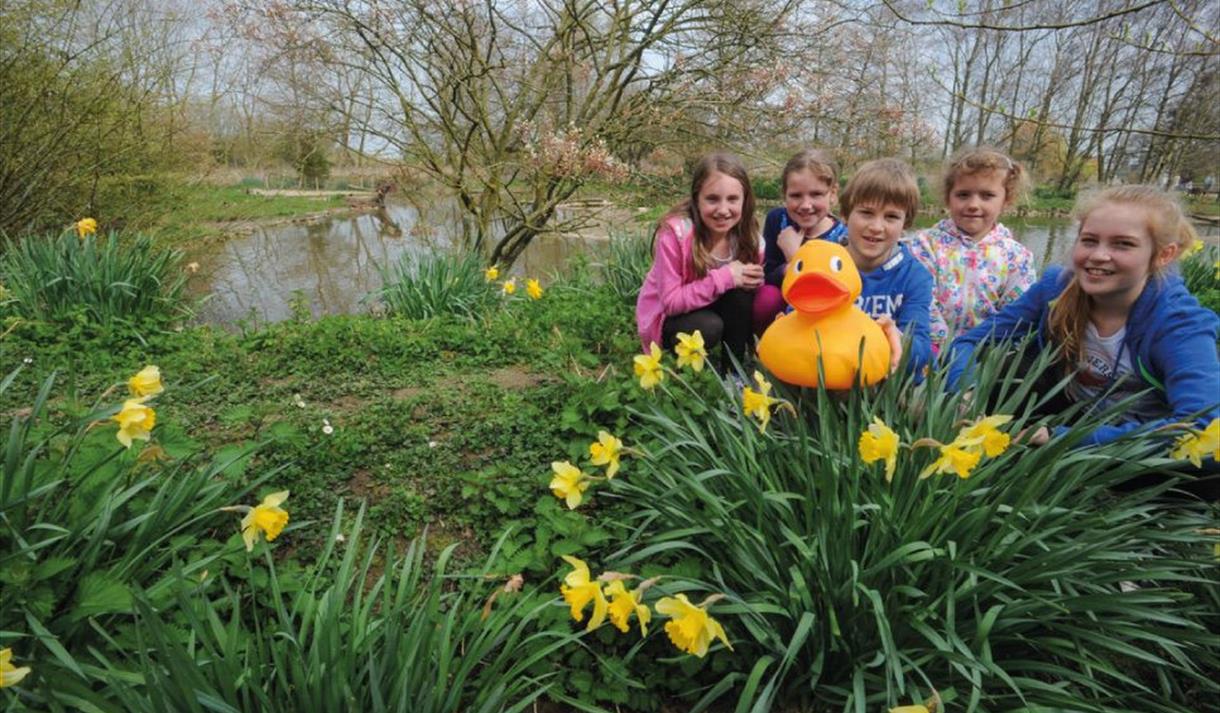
x=197, y=211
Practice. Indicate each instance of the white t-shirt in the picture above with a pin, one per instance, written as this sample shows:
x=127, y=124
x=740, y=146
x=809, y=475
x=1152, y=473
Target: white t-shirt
x=1103, y=362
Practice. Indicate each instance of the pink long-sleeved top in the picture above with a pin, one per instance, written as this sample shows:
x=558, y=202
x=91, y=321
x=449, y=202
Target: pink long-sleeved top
x=672, y=287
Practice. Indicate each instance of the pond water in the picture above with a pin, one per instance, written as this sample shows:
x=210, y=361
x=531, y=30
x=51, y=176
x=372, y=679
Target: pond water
x=329, y=267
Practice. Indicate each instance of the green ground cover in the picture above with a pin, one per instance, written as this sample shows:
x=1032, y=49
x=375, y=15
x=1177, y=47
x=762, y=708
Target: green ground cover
x=126, y=588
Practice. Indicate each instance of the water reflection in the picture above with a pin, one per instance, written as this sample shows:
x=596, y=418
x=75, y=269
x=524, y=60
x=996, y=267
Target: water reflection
x=329, y=267
x=1048, y=241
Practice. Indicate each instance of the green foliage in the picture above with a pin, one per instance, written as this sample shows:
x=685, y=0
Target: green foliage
x=766, y=189
x=1002, y=591
x=1201, y=272
x=365, y=629
x=96, y=281
x=436, y=284
x=626, y=265
x=89, y=526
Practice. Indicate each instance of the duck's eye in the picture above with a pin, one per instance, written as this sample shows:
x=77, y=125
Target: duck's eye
x=836, y=263
x=799, y=264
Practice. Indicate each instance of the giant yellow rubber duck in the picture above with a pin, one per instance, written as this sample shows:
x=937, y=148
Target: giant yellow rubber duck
x=822, y=285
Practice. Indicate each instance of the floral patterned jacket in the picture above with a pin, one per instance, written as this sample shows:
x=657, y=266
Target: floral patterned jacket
x=972, y=279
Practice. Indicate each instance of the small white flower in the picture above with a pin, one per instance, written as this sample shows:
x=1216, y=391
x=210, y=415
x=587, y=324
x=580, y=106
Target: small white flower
x=326, y=427
x=28, y=360
x=433, y=444
x=340, y=538
x=298, y=401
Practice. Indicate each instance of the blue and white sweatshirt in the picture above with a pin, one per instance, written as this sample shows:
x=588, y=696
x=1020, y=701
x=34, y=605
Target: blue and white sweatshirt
x=774, y=262
x=1170, y=340
x=902, y=288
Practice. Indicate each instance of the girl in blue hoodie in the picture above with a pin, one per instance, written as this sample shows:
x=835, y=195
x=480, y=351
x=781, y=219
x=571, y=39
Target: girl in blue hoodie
x=1121, y=317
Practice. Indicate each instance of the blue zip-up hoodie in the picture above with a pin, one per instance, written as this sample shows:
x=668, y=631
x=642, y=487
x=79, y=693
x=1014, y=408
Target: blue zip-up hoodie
x=1170, y=339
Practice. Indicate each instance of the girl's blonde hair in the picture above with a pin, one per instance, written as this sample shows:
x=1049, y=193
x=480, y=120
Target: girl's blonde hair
x=744, y=235
x=1168, y=225
x=821, y=165
x=984, y=159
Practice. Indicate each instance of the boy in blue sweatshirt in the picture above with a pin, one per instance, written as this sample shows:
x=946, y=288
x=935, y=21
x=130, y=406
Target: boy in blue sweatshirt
x=878, y=203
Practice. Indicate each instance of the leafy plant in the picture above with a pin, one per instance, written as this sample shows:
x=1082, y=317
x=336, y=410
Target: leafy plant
x=1009, y=589
x=99, y=280
x=434, y=285
x=368, y=630
x=87, y=525
x=628, y=261
x=1201, y=272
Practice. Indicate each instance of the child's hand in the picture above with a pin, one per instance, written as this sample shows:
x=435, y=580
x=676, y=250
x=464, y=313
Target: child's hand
x=894, y=335
x=1034, y=436
x=789, y=240
x=747, y=276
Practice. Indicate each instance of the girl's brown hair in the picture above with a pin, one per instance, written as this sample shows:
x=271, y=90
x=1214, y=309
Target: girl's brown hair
x=816, y=162
x=1168, y=225
x=984, y=159
x=884, y=181
x=744, y=235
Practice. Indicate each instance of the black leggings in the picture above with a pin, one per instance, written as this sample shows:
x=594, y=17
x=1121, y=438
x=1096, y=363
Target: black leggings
x=727, y=320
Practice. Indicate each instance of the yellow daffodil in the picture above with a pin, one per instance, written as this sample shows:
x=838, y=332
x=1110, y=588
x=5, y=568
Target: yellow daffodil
x=1196, y=246
x=955, y=457
x=579, y=589
x=986, y=430
x=648, y=367
x=690, y=627
x=880, y=442
x=266, y=517
x=623, y=604
x=569, y=483
x=909, y=709
x=1197, y=445
x=135, y=421
x=758, y=403
x=85, y=227
x=509, y=286
x=533, y=288
x=10, y=675
x=147, y=382
x=491, y=274
x=690, y=350
x=606, y=452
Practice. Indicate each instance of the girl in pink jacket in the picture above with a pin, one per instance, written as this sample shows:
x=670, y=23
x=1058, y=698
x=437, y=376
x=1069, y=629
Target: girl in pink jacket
x=707, y=265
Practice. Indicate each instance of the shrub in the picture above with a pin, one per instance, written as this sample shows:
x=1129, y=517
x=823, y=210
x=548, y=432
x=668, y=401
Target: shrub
x=1201, y=271
x=99, y=280
x=367, y=630
x=1005, y=590
x=87, y=526
x=626, y=265
x=436, y=285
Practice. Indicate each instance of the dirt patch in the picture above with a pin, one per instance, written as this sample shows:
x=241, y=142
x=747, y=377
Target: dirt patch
x=347, y=403
x=514, y=378
x=407, y=392
x=362, y=485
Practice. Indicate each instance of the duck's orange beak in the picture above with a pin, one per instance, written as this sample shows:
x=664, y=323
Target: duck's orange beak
x=817, y=292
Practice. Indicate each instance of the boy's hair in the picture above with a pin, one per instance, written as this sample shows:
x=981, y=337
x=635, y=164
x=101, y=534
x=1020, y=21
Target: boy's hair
x=985, y=159
x=1168, y=225
x=820, y=164
x=744, y=234
x=883, y=181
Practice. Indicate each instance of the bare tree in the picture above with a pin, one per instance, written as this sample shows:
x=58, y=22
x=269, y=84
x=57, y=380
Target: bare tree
x=514, y=106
